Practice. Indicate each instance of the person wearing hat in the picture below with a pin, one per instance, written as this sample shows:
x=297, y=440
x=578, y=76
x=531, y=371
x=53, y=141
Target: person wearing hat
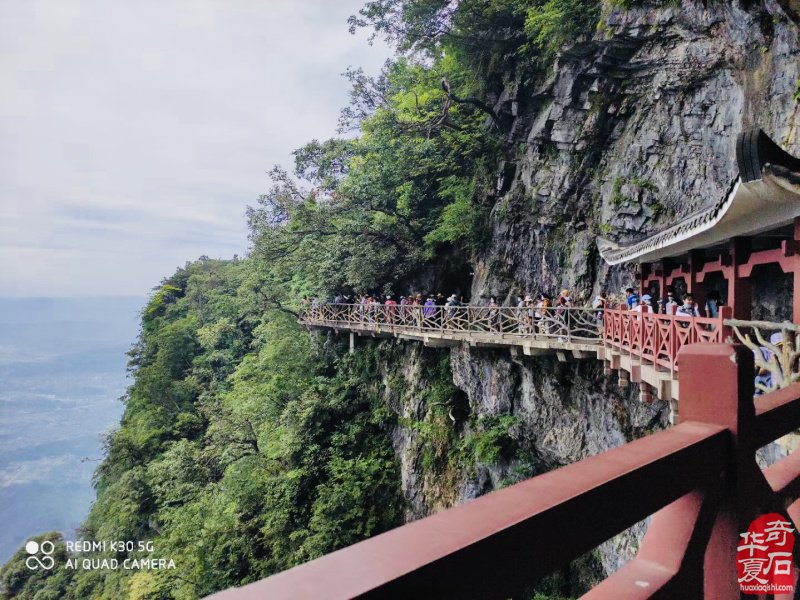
x=429, y=308
x=450, y=309
x=652, y=303
x=403, y=312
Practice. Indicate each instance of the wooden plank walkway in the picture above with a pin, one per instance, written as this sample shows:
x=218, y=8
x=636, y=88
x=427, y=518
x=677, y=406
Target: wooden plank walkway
x=642, y=347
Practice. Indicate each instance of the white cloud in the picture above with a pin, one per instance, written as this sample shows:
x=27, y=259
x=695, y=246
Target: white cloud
x=134, y=134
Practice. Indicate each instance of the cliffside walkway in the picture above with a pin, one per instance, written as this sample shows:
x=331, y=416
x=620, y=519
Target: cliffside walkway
x=698, y=481
x=566, y=331
x=641, y=347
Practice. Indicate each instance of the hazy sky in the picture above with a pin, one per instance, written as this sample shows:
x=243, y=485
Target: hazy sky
x=134, y=133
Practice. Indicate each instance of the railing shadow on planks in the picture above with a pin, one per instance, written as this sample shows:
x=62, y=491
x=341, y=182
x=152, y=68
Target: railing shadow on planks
x=699, y=480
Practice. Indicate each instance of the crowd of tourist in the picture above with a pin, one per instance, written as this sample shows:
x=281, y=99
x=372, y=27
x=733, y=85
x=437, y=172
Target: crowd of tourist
x=670, y=304
x=534, y=306
x=370, y=301
x=534, y=314
x=440, y=309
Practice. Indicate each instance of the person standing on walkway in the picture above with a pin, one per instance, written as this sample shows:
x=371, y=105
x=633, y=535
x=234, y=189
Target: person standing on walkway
x=643, y=305
x=391, y=309
x=599, y=305
x=544, y=313
x=494, y=315
x=687, y=309
x=631, y=297
x=713, y=303
x=670, y=303
x=429, y=309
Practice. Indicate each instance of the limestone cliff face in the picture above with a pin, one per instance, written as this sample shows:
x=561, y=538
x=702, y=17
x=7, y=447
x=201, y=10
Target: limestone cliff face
x=562, y=412
x=635, y=129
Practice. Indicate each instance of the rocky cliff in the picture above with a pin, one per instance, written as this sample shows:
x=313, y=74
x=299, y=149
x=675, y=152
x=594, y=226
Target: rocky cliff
x=635, y=129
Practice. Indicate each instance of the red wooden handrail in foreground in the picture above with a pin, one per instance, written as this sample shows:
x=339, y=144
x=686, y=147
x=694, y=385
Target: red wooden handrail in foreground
x=699, y=480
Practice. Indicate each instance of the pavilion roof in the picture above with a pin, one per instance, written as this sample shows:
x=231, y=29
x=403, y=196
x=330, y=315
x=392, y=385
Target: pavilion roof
x=765, y=196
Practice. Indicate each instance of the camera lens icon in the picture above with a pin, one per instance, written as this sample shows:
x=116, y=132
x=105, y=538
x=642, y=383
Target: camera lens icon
x=34, y=562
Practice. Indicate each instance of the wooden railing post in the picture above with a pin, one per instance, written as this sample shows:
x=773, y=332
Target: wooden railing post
x=717, y=387
x=656, y=339
x=673, y=344
x=630, y=332
x=567, y=314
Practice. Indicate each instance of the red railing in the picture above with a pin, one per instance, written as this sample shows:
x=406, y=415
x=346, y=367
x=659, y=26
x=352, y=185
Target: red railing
x=656, y=337
x=699, y=480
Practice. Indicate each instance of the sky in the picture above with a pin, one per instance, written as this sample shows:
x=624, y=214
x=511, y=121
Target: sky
x=134, y=133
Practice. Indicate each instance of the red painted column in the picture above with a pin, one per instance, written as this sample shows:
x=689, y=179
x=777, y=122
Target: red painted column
x=662, y=279
x=717, y=387
x=740, y=291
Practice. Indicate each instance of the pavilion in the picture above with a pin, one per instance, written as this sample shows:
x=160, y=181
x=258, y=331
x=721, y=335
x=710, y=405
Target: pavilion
x=756, y=224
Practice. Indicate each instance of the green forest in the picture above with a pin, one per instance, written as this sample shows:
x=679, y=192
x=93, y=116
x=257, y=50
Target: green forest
x=248, y=446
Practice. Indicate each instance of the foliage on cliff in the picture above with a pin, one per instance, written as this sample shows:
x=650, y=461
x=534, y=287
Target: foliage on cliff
x=418, y=182
x=371, y=210
x=245, y=447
